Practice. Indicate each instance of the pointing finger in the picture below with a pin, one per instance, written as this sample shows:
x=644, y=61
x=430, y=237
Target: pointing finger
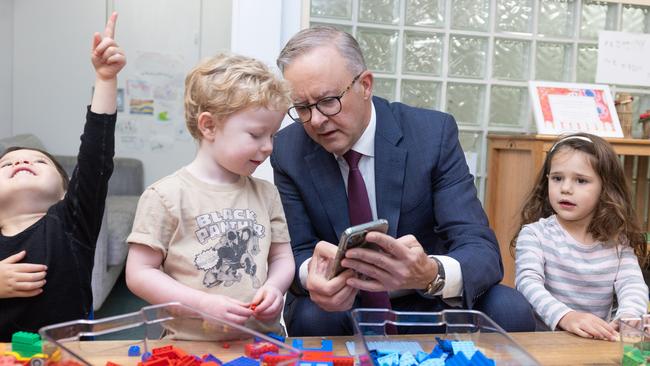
x=109, y=31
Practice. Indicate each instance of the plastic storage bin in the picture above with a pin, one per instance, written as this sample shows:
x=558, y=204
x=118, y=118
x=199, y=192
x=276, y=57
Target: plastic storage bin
x=95, y=342
x=635, y=337
x=373, y=328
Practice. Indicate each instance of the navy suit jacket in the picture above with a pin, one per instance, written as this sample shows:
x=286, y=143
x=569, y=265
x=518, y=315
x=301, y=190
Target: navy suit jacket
x=423, y=187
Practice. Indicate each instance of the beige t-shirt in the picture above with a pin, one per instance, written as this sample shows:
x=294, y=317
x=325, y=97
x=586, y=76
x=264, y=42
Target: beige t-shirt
x=214, y=238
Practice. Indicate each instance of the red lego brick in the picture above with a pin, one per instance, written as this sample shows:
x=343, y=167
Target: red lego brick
x=270, y=359
x=164, y=361
x=255, y=350
x=188, y=360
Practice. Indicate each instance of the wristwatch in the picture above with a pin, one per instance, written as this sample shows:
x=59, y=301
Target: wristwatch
x=438, y=282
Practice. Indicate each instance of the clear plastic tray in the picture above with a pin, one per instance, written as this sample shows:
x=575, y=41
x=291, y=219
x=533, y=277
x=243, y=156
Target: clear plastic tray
x=93, y=342
x=635, y=334
x=372, y=325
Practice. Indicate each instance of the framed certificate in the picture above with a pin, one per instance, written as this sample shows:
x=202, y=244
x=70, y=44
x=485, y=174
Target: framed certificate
x=561, y=108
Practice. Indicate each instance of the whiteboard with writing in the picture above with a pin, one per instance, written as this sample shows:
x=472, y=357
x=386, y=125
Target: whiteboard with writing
x=623, y=58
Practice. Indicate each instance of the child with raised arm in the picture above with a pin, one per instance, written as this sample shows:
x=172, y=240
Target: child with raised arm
x=211, y=236
x=580, y=243
x=49, y=225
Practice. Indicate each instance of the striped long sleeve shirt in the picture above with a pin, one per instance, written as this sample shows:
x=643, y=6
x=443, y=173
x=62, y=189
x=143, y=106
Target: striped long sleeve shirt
x=557, y=274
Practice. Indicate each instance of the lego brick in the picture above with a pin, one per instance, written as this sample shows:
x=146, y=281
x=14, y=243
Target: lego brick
x=325, y=345
x=399, y=346
x=242, y=361
x=467, y=347
x=134, y=351
x=479, y=359
x=276, y=336
x=407, y=359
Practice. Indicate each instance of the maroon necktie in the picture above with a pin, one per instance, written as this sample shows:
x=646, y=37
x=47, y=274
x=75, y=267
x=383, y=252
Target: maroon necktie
x=360, y=213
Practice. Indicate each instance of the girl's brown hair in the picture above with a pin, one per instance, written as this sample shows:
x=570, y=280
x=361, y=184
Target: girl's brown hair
x=614, y=217
x=64, y=175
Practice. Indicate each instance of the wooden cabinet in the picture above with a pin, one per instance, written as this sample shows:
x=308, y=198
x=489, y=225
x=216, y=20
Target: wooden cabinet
x=513, y=164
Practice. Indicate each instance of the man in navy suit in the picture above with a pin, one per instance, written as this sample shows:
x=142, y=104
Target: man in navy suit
x=439, y=251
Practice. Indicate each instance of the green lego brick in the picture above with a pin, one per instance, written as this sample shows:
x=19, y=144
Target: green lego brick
x=633, y=357
x=25, y=337
x=26, y=344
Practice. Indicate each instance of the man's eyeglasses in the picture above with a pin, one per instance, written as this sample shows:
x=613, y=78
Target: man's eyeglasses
x=327, y=106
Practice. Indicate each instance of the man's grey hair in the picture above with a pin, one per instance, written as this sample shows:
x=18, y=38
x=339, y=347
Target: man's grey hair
x=323, y=35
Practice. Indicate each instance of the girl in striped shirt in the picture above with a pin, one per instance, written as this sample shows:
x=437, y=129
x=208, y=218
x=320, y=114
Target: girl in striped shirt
x=580, y=245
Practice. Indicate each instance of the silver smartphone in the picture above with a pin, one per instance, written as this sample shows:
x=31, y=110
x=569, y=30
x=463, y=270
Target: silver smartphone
x=355, y=237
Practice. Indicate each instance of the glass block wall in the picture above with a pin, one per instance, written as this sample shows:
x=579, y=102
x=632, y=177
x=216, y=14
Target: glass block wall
x=473, y=58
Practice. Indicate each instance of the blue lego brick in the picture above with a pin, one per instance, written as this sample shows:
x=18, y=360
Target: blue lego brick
x=421, y=356
x=457, y=360
x=145, y=356
x=436, y=352
x=134, y=351
x=211, y=358
x=407, y=359
x=276, y=336
x=242, y=361
x=389, y=360
x=396, y=346
x=325, y=345
x=467, y=347
x=387, y=351
x=445, y=345
x=479, y=359
x=434, y=361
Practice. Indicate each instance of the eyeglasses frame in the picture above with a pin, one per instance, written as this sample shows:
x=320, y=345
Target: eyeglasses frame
x=337, y=97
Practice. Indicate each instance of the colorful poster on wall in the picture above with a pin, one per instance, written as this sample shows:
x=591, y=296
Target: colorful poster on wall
x=561, y=108
x=153, y=116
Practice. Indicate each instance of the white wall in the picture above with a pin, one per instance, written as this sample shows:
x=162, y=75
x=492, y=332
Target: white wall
x=52, y=75
x=52, y=71
x=260, y=28
x=6, y=68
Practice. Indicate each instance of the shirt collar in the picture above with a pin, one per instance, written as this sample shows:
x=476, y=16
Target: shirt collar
x=366, y=143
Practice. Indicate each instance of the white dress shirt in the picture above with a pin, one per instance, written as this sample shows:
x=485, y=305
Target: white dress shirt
x=366, y=145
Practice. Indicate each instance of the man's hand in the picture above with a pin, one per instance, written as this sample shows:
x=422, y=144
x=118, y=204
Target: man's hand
x=21, y=279
x=225, y=307
x=402, y=264
x=107, y=57
x=268, y=303
x=330, y=295
x=588, y=326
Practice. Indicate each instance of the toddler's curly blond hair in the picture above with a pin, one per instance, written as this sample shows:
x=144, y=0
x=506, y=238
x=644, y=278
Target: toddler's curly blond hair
x=228, y=83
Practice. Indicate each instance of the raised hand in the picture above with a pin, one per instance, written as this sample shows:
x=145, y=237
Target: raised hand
x=21, y=279
x=107, y=57
x=588, y=326
x=268, y=303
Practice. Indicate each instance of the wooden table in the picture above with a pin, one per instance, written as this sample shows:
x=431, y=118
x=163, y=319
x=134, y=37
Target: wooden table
x=549, y=348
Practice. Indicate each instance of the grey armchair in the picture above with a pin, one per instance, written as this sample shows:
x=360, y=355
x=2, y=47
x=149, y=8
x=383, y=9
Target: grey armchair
x=124, y=189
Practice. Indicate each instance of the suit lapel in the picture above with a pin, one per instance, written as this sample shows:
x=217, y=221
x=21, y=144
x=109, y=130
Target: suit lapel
x=326, y=176
x=390, y=165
